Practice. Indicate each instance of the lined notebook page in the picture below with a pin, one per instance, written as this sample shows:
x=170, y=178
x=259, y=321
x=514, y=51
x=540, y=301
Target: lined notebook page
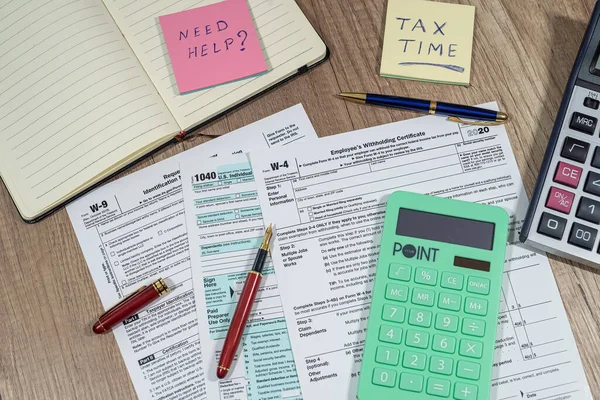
x=74, y=99
x=287, y=38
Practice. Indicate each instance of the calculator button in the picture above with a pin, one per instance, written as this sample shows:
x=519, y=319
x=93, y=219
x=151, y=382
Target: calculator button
x=465, y=391
x=414, y=360
x=473, y=327
x=575, y=150
x=476, y=306
x=393, y=313
x=592, y=183
x=470, y=348
x=468, y=370
x=387, y=355
x=384, y=377
x=451, y=280
x=552, y=226
x=411, y=382
x=438, y=387
x=479, y=285
x=390, y=334
x=591, y=103
x=444, y=344
x=423, y=297
x=582, y=236
x=426, y=276
x=440, y=365
x=567, y=174
x=588, y=210
x=596, y=158
x=400, y=272
x=417, y=339
x=420, y=318
x=560, y=200
x=445, y=322
x=583, y=123
x=449, y=301
x=396, y=292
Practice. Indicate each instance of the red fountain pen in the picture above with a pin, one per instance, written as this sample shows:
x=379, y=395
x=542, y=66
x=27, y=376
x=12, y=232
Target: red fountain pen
x=242, y=311
x=130, y=305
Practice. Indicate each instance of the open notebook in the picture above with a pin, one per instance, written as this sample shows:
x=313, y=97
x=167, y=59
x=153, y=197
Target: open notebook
x=86, y=88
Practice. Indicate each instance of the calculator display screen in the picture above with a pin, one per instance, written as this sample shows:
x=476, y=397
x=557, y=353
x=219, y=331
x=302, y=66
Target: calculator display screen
x=444, y=228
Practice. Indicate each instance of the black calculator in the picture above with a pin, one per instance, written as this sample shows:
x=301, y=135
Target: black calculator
x=564, y=214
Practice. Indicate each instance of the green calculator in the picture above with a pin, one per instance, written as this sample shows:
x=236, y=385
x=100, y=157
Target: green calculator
x=434, y=310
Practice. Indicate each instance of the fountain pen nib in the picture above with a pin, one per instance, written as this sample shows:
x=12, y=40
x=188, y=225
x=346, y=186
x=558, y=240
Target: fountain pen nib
x=267, y=239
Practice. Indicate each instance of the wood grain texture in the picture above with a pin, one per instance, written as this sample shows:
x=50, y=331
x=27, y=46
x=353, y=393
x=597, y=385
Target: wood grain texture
x=523, y=53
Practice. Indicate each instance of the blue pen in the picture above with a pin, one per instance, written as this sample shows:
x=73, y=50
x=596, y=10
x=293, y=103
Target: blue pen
x=455, y=112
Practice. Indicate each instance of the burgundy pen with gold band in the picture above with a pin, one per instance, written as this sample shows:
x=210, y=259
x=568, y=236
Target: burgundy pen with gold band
x=130, y=305
x=244, y=306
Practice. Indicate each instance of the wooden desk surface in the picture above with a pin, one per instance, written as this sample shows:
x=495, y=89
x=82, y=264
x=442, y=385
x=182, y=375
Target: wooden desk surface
x=523, y=53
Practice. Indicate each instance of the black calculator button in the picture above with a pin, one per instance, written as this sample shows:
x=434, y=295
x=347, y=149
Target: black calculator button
x=552, y=226
x=592, y=183
x=583, y=123
x=589, y=210
x=582, y=236
x=591, y=103
x=575, y=150
x=596, y=158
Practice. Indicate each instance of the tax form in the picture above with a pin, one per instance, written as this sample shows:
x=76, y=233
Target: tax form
x=226, y=228
x=328, y=203
x=133, y=230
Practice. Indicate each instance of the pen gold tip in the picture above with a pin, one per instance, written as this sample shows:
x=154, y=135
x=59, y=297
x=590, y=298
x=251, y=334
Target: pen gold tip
x=360, y=98
x=267, y=238
x=501, y=117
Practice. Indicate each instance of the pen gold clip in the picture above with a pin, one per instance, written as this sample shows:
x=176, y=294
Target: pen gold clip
x=122, y=300
x=477, y=123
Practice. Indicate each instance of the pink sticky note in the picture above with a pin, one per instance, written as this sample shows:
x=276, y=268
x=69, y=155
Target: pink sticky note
x=212, y=45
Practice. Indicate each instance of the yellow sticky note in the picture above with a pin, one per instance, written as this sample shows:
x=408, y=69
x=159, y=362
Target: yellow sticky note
x=428, y=41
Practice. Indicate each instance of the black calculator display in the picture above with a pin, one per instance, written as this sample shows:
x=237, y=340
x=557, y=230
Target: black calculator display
x=564, y=213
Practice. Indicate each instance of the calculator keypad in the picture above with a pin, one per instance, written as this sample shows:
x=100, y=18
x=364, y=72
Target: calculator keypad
x=567, y=219
x=431, y=339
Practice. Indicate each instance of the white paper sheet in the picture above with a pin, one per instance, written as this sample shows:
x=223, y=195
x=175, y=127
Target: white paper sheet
x=132, y=231
x=317, y=193
x=225, y=228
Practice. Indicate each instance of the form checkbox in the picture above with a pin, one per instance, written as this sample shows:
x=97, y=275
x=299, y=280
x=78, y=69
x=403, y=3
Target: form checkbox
x=112, y=253
x=116, y=263
x=160, y=233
